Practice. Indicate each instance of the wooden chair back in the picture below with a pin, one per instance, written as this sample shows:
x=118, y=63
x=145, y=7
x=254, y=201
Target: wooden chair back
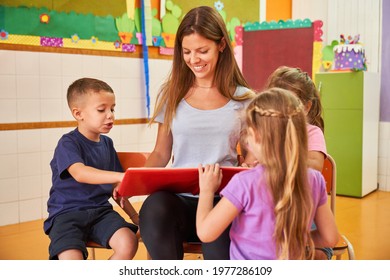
x=329, y=171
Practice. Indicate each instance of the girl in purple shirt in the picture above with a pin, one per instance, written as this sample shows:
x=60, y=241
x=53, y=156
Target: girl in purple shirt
x=272, y=206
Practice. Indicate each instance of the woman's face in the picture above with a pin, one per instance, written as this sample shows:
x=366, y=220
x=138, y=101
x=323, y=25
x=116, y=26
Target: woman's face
x=201, y=55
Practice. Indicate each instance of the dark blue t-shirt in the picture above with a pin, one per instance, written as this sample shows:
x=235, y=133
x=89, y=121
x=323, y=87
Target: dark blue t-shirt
x=66, y=194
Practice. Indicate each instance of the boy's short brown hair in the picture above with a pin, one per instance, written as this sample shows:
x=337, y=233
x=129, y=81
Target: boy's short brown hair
x=83, y=86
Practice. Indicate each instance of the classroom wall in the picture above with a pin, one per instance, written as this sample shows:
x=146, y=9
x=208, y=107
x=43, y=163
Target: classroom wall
x=384, y=132
x=278, y=10
x=370, y=19
x=33, y=89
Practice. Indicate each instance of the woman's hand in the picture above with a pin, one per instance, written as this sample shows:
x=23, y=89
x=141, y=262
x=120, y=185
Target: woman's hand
x=210, y=177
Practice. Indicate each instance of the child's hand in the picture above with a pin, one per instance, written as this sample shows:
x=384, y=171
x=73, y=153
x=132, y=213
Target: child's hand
x=118, y=198
x=115, y=193
x=210, y=177
x=249, y=165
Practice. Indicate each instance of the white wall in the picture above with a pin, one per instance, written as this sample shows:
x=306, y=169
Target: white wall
x=351, y=17
x=33, y=89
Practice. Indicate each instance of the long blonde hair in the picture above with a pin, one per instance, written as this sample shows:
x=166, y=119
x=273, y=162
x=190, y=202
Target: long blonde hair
x=278, y=120
x=206, y=22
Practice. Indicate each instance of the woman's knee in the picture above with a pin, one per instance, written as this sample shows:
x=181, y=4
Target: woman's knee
x=157, y=206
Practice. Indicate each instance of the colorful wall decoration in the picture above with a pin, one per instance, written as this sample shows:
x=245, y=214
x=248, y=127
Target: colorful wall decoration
x=106, y=25
x=55, y=25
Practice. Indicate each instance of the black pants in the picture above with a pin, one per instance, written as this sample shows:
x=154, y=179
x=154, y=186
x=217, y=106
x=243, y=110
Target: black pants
x=167, y=219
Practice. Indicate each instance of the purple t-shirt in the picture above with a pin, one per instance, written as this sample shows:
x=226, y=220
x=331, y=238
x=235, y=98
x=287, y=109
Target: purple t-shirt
x=252, y=230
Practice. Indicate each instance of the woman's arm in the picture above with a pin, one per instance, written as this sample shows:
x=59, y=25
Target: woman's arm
x=162, y=151
x=211, y=222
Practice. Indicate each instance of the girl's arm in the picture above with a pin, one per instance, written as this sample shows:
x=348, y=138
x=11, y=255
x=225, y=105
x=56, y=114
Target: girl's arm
x=211, y=222
x=316, y=160
x=326, y=234
x=162, y=151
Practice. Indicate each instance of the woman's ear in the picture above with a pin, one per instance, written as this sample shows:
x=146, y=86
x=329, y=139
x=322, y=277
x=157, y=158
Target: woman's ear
x=222, y=45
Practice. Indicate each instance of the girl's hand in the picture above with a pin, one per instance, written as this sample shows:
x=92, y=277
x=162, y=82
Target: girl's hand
x=210, y=178
x=118, y=198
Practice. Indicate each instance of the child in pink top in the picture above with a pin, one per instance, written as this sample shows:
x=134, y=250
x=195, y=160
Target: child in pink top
x=299, y=82
x=272, y=206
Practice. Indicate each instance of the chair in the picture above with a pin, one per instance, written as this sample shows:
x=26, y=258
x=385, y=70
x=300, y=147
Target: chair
x=127, y=159
x=329, y=171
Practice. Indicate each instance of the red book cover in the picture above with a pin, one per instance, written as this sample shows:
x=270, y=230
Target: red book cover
x=147, y=180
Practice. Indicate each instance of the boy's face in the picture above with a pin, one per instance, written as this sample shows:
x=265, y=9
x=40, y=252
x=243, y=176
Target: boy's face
x=95, y=114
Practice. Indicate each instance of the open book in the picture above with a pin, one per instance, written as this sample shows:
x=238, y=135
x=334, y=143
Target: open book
x=146, y=180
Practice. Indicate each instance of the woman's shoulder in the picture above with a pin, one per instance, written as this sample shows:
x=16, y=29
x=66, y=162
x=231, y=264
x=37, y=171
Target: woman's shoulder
x=242, y=91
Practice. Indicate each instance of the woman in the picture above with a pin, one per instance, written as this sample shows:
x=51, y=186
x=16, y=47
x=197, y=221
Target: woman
x=200, y=115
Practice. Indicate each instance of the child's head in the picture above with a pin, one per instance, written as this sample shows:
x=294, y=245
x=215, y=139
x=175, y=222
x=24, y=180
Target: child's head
x=277, y=136
x=277, y=122
x=84, y=87
x=300, y=83
x=92, y=104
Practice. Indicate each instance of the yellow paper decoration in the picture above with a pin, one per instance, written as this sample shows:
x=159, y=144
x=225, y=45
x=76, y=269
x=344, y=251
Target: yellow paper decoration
x=130, y=6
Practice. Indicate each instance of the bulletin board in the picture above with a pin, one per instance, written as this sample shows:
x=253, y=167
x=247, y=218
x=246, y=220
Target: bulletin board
x=112, y=26
x=265, y=50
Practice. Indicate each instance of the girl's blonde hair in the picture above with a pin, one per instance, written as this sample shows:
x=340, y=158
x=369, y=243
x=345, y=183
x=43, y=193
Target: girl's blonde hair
x=278, y=120
x=300, y=83
x=208, y=23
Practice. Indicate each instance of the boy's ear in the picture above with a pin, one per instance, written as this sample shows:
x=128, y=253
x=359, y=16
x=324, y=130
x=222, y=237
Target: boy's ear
x=76, y=112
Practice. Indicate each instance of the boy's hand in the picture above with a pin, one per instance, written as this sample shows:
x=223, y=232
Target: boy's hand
x=210, y=178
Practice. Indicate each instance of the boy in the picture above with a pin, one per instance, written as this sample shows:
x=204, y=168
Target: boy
x=85, y=168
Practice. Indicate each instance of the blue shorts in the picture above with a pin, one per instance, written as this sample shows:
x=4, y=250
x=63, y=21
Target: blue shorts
x=72, y=230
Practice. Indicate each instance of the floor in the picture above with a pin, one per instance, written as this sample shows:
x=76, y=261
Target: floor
x=364, y=221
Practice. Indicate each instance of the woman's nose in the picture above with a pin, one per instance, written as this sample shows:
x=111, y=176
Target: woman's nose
x=194, y=58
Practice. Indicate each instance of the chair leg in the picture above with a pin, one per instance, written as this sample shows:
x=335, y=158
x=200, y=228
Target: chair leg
x=92, y=250
x=351, y=252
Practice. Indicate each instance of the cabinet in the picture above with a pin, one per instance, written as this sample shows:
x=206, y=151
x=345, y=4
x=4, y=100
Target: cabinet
x=350, y=103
